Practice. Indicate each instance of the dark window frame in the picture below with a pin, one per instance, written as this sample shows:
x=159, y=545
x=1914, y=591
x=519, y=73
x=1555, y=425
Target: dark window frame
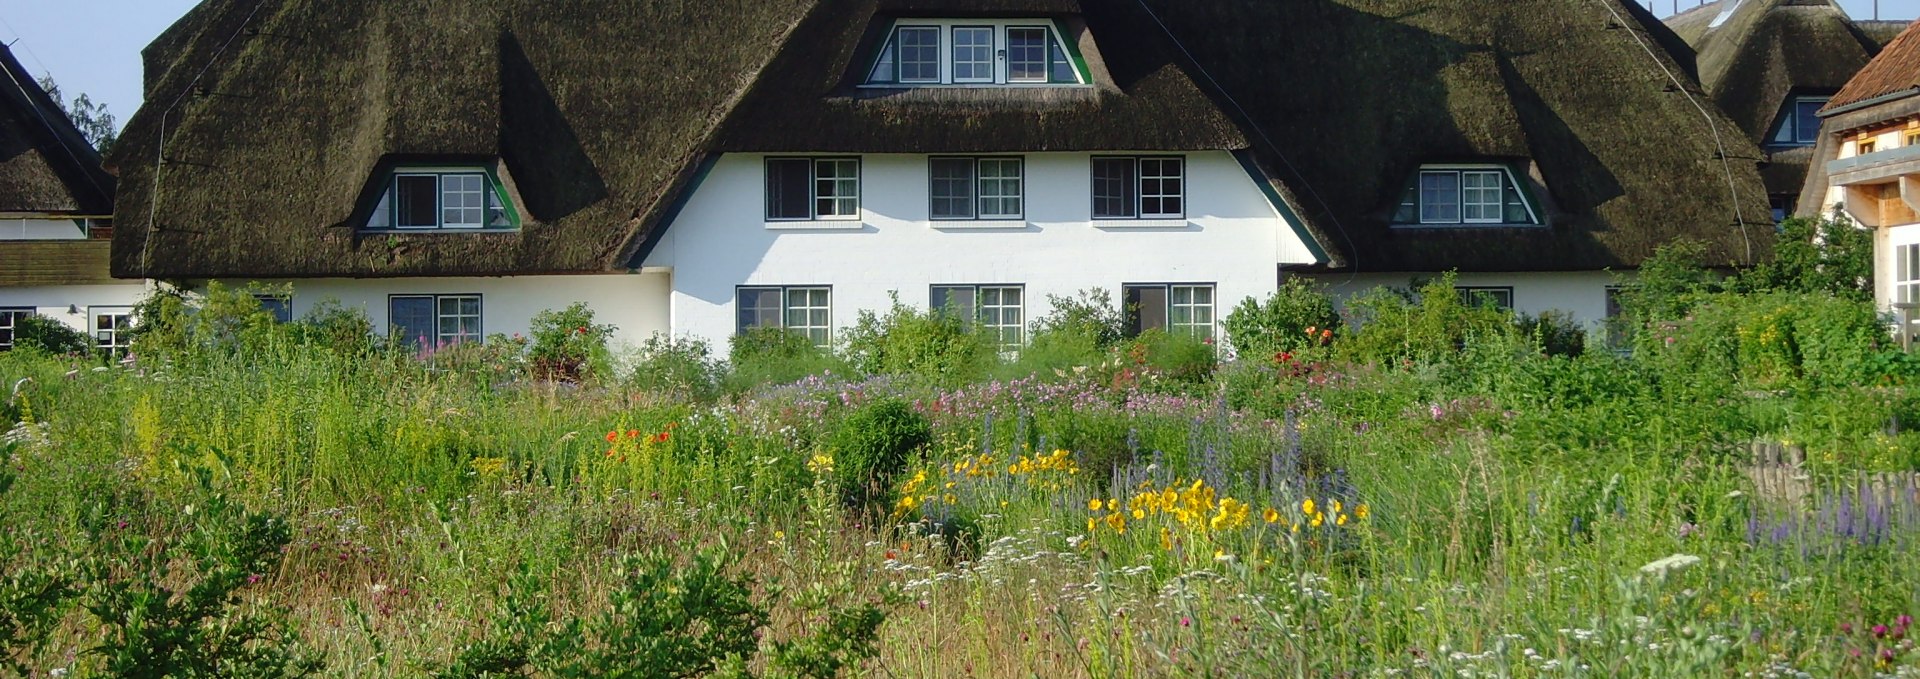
x=281, y=306
x=1137, y=196
x=978, y=183
x=813, y=188
x=1467, y=293
x=784, y=291
x=1135, y=322
x=11, y=317
x=480, y=316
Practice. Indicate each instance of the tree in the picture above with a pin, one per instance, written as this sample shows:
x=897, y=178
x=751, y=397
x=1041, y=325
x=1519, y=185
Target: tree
x=93, y=120
x=1824, y=255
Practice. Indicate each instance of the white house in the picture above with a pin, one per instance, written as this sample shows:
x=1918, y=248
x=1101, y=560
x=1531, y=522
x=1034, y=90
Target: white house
x=56, y=206
x=702, y=170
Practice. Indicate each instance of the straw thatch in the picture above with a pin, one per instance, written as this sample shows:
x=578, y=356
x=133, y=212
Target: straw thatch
x=46, y=166
x=602, y=114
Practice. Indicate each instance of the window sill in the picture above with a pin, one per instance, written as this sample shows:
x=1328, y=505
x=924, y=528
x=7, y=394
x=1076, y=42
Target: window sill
x=972, y=86
x=443, y=229
x=980, y=224
x=1141, y=223
x=1464, y=227
x=817, y=225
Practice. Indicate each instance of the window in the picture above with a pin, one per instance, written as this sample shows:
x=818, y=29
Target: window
x=1439, y=195
x=465, y=198
x=10, y=319
x=813, y=189
x=1500, y=298
x=433, y=320
x=280, y=306
x=975, y=188
x=1782, y=205
x=1139, y=188
x=1912, y=138
x=1178, y=308
x=999, y=309
x=975, y=52
x=112, y=329
x=1906, y=274
x=1864, y=147
x=805, y=310
x=1798, y=123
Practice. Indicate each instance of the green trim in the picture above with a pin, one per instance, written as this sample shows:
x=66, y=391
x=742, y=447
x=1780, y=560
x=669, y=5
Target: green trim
x=1073, y=52
x=391, y=183
x=1280, y=205
x=500, y=192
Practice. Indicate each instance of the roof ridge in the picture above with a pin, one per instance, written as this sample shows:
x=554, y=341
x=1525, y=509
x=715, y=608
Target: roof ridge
x=80, y=158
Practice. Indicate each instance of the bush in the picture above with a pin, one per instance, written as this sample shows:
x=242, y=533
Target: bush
x=1826, y=255
x=871, y=448
x=346, y=332
x=1554, y=331
x=1052, y=353
x=221, y=319
x=1281, y=323
x=1769, y=341
x=774, y=356
x=908, y=341
x=1089, y=314
x=682, y=368
x=1393, y=329
x=51, y=336
x=567, y=345
x=1668, y=284
x=1183, y=358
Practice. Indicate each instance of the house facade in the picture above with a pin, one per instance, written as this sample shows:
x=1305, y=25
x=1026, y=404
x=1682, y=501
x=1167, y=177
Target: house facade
x=792, y=163
x=1870, y=153
x=56, y=206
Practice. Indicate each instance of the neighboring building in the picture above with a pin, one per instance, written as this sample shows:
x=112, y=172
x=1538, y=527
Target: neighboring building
x=701, y=169
x=1771, y=65
x=56, y=206
x=1869, y=150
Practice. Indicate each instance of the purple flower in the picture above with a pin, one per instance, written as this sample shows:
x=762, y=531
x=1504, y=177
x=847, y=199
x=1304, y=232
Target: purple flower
x=1879, y=630
x=1905, y=621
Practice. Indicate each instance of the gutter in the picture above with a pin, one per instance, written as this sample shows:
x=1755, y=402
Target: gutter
x=1884, y=98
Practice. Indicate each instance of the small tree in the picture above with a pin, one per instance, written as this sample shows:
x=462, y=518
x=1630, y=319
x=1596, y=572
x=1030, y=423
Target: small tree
x=93, y=120
x=1824, y=255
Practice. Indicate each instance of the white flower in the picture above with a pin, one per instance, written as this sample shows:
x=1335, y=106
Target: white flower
x=1669, y=565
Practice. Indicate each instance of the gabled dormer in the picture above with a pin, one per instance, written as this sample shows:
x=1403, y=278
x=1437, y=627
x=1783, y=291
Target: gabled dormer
x=438, y=196
x=1798, y=123
x=976, y=53
x=1470, y=194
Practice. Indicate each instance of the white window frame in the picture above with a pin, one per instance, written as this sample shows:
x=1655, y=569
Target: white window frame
x=10, y=321
x=788, y=308
x=815, y=180
x=1140, y=195
x=946, y=45
x=386, y=213
x=1469, y=194
x=114, y=341
x=1046, y=59
x=1467, y=293
x=1009, y=333
x=1906, y=273
x=991, y=63
x=440, y=337
x=1509, y=182
x=1171, y=291
x=979, y=185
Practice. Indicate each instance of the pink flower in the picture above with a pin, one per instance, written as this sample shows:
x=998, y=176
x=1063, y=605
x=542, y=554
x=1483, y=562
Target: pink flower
x=1879, y=630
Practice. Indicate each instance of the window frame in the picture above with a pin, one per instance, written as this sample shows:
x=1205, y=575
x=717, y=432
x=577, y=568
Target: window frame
x=1510, y=183
x=479, y=316
x=1787, y=122
x=1906, y=273
x=785, y=292
x=992, y=63
x=977, y=314
x=121, y=341
x=493, y=199
x=10, y=322
x=1139, y=194
x=813, y=188
x=1467, y=293
x=1059, y=56
x=978, y=182
x=283, y=313
x=1135, y=322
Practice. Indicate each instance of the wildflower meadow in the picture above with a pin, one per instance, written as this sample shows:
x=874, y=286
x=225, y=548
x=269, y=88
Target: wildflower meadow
x=1411, y=484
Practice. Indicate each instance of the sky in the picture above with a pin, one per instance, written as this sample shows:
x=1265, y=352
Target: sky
x=93, y=46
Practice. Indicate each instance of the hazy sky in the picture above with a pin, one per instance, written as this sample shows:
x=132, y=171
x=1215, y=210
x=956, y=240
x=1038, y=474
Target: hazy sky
x=93, y=46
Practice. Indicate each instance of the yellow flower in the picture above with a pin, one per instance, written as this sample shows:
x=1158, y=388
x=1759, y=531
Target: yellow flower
x=1166, y=539
x=1341, y=521
x=1361, y=512
x=1270, y=516
x=1336, y=506
x=1139, y=514
x=1092, y=523
x=1093, y=505
x=821, y=464
x=1306, y=506
x=1118, y=522
x=1318, y=518
x=1295, y=528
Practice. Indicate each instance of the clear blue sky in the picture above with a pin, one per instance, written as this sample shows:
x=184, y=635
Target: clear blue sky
x=93, y=46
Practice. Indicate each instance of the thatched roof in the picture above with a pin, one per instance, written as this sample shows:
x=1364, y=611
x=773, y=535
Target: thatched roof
x=1895, y=71
x=1767, y=50
x=25, y=263
x=46, y=166
x=602, y=116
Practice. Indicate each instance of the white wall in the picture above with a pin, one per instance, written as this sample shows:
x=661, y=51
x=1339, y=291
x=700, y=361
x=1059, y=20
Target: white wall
x=1231, y=237
x=53, y=301
x=1581, y=293
x=636, y=304
x=15, y=228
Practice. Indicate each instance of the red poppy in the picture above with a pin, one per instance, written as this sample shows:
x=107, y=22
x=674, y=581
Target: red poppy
x=660, y=437
x=633, y=433
x=890, y=555
x=613, y=436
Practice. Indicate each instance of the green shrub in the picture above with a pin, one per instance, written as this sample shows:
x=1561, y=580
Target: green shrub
x=1433, y=326
x=1181, y=357
x=1090, y=313
x=762, y=356
x=49, y=335
x=681, y=367
x=567, y=345
x=1827, y=255
x=1260, y=329
x=1053, y=353
x=907, y=341
x=346, y=332
x=1667, y=285
x=1554, y=331
x=871, y=448
x=1770, y=341
x=219, y=320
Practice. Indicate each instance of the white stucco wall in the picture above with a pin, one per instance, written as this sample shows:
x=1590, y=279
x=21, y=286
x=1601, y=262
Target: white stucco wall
x=636, y=304
x=1231, y=237
x=58, y=301
x=1581, y=293
x=16, y=228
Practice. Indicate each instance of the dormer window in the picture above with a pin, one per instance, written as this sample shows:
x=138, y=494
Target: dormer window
x=443, y=198
x=1798, y=123
x=1465, y=195
x=971, y=52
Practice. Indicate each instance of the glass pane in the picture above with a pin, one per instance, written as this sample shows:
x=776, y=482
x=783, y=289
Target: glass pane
x=1113, y=188
x=382, y=217
x=957, y=300
x=837, y=188
x=788, y=194
x=410, y=319
x=1146, y=307
x=883, y=67
x=1516, y=208
x=757, y=308
x=1439, y=197
x=1807, y=120
x=416, y=200
x=952, y=188
x=1000, y=188
x=1062, y=69
x=462, y=200
x=1481, y=199
x=919, y=53
x=1027, y=54
x=973, y=54
x=1161, y=187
